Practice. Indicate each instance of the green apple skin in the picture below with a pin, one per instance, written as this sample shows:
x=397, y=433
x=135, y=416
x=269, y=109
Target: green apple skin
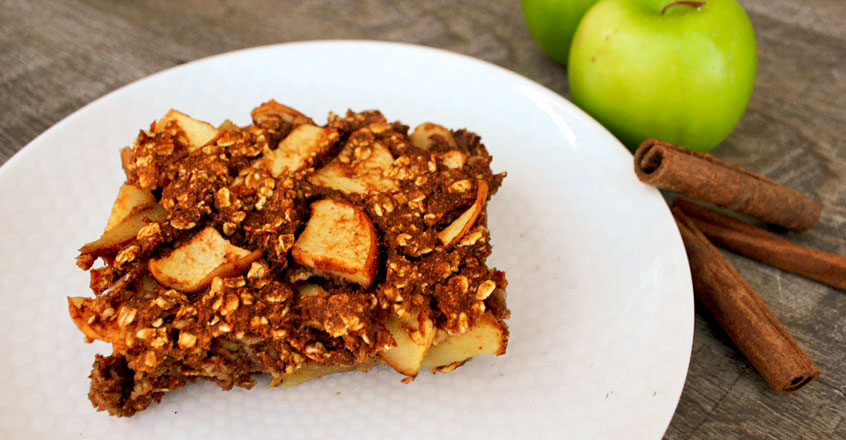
x=684, y=76
x=553, y=23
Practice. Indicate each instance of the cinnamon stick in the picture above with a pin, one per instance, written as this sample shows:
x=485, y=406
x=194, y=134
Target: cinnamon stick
x=743, y=315
x=702, y=176
x=766, y=247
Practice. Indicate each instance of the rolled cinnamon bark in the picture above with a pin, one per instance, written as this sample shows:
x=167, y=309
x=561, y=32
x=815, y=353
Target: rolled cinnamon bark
x=704, y=177
x=743, y=315
x=766, y=247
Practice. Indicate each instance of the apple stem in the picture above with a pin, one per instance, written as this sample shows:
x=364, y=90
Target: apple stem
x=692, y=4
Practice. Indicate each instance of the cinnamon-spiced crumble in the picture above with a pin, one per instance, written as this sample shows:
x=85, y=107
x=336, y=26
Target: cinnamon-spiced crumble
x=292, y=249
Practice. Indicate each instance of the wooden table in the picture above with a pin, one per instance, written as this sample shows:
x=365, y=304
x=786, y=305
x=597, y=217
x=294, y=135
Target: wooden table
x=59, y=55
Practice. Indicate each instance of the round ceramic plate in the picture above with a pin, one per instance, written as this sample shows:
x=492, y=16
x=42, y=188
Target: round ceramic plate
x=600, y=293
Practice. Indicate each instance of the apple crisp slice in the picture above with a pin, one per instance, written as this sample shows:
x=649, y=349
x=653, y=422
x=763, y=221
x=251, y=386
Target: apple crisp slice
x=291, y=249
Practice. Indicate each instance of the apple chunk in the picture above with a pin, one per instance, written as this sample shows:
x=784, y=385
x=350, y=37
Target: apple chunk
x=461, y=225
x=272, y=109
x=198, y=132
x=106, y=325
x=130, y=199
x=339, y=240
x=359, y=172
x=193, y=265
x=81, y=312
x=298, y=150
x=308, y=372
x=488, y=336
x=413, y=341
x=421, y=137
x=123, y=232
x=84, y=313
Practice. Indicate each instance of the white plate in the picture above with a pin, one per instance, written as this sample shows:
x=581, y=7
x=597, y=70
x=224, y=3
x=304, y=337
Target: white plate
x=600, y=293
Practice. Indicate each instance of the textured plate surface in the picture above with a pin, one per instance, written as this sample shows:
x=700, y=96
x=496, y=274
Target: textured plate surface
x=601, y=299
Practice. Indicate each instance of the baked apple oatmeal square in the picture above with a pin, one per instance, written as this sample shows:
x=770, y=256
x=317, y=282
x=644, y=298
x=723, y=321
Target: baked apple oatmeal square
x=291, y=249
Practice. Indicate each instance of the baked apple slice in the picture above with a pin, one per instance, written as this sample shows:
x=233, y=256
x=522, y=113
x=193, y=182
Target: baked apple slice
x=311, y=371
x=339, y=240
x=298, y=150
x=461, y=225
x=106, y=326
x=413, y=341
x=193, y=265
x=358, y=169
x=82, y=311
x=130, y=200
x=123, y=232
x=199, y=133
x=488, y=336
x=272, y=109
x=421, y=137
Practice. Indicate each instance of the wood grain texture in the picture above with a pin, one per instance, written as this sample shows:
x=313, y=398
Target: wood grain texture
x=58, y=56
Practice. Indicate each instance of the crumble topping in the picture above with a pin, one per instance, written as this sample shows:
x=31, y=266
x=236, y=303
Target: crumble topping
x=237, y=200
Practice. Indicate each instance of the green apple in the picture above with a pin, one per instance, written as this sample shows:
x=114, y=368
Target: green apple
x=679, y=71
x=553, y=22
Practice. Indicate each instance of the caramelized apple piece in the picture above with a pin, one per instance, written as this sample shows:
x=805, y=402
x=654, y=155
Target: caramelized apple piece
x=413, y=340
x=298, y=150
x=467, y=219
x=308, y=372
x=199, y=133
x=488, y=336
x=421, y=137
x=273, y=109
x=228, y=269
x=339, y=240
x=86, y=317
x=193, y=265
x=123, y=232
x=130, y=200
x=81, y=311
x=361, y=170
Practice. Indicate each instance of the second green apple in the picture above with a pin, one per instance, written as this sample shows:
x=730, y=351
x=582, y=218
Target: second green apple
x=680, y=71
x=553, y=23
